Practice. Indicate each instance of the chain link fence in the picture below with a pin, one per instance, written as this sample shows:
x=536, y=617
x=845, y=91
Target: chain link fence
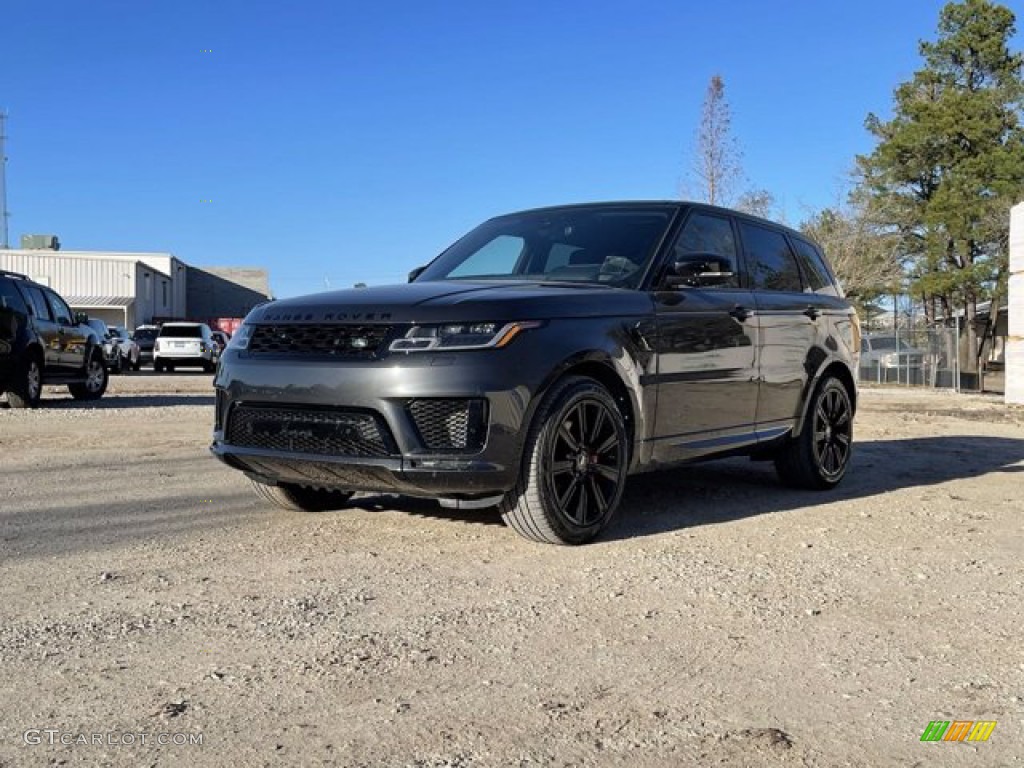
x=927, y=357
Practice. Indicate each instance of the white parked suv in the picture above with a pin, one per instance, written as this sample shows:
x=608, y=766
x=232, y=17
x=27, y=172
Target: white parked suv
x=184, y=344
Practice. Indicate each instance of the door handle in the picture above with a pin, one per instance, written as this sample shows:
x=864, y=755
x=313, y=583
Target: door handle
x=812, y=312
x=741, y=313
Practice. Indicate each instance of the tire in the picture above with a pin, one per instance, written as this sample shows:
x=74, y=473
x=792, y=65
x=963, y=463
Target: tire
x=96, y=379
x=300, y=499
x=818, y=457
x=118, y=365
x=574, y=466
x=136, y=364
x=27, y=388
x=209, y=367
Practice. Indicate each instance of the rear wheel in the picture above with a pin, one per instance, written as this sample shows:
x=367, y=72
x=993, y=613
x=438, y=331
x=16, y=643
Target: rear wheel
x=574, y=466
x=817, y=459
x=96, y=379
x=158, y=366
x=27, y=388
x=299, y=498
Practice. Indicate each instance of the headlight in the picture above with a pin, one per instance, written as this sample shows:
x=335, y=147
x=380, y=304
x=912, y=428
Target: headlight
x=241, y=338
x=452, y=336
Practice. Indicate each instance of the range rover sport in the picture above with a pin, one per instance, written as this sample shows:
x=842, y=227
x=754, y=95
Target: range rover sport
x=541, y=359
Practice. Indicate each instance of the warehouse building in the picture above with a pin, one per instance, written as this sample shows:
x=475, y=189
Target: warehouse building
x=132, y=289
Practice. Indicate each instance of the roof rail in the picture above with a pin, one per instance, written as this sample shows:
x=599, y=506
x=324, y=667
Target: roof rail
x=6, y=273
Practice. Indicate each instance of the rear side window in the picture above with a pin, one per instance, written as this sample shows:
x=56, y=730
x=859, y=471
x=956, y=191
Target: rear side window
x=815, y=272
x=39, y=305
x=10, y=298
x=182, y=331
x=771, y=263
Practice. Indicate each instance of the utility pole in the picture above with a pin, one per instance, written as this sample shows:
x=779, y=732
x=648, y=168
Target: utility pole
x=4, y=242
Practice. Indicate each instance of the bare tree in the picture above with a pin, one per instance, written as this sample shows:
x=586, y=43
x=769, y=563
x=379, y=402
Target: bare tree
x=757, y=202
x=866, y=261
x=716, y=163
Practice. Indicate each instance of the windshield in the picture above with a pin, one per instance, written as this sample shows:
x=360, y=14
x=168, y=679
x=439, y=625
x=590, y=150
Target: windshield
x=600, y=244
x=145, y=334
x=886, y=342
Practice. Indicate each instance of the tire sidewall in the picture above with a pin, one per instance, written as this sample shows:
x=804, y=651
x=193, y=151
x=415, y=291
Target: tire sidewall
x=828, y=385
x=563, y=401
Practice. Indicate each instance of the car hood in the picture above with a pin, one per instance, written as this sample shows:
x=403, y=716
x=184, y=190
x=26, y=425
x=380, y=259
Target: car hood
x=455, y=301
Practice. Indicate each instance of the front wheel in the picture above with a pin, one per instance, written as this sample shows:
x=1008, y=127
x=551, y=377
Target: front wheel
x=574, y=466
x=96, y=379
x=299, y=498
x=818, y=457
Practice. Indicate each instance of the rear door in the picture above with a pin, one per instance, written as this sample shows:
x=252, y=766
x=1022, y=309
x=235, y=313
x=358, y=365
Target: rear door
x=706, y=349
x=47, y=328
x=789, y=320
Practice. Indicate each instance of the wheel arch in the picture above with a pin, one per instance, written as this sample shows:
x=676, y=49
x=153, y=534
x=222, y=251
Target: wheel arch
x=838, y=370
x=600, y=367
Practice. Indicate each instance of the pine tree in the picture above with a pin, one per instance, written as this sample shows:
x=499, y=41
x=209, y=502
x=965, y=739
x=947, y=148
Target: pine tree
x=950, y=163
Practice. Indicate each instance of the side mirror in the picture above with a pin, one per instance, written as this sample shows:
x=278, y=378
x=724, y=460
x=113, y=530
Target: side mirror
x=416, y=273
x=699, y=269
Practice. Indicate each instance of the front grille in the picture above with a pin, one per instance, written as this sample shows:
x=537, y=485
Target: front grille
x=318, y=340
x=450, y=424
x=306, y=430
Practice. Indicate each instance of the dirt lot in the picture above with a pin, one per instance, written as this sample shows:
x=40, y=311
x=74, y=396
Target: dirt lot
x=722, y=621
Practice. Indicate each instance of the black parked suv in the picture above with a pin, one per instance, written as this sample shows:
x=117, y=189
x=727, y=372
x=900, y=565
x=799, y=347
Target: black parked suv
x=43, y=342
x=544, y=357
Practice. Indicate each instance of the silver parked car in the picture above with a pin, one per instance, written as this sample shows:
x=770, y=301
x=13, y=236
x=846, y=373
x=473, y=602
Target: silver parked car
x=889, y=352
x=130, y=356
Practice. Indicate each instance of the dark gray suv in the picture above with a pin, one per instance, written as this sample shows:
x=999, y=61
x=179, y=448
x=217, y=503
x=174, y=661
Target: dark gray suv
x=43, y=342
x=544, y=357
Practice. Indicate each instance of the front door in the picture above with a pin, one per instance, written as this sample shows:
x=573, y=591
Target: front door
x=73, y=338
x=706, y=350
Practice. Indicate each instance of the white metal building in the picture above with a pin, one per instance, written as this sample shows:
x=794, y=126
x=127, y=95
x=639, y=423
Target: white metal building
x=120, y=288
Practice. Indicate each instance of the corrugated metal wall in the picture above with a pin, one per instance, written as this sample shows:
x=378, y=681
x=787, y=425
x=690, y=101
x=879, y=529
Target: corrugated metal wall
x=72, y=276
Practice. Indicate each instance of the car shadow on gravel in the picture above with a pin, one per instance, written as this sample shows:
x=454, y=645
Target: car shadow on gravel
x=418, y=507
x=732, y=489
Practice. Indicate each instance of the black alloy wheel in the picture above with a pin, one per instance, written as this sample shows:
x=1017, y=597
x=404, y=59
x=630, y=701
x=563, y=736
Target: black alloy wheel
x=574, y=466
x=818, y=457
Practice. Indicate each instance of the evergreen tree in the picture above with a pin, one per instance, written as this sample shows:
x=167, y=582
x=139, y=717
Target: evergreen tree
x=950, y=163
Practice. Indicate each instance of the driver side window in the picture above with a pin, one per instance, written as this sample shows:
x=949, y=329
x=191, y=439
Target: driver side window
x=708, y=234
x=61, y=312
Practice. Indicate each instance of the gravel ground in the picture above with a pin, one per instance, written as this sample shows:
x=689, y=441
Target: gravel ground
x=722, y=620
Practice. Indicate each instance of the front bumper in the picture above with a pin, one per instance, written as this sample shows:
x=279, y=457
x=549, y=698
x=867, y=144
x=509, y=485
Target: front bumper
x=506, y=380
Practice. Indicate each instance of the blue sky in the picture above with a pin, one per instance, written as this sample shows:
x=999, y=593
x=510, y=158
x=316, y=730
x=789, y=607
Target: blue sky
x=337, y=142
